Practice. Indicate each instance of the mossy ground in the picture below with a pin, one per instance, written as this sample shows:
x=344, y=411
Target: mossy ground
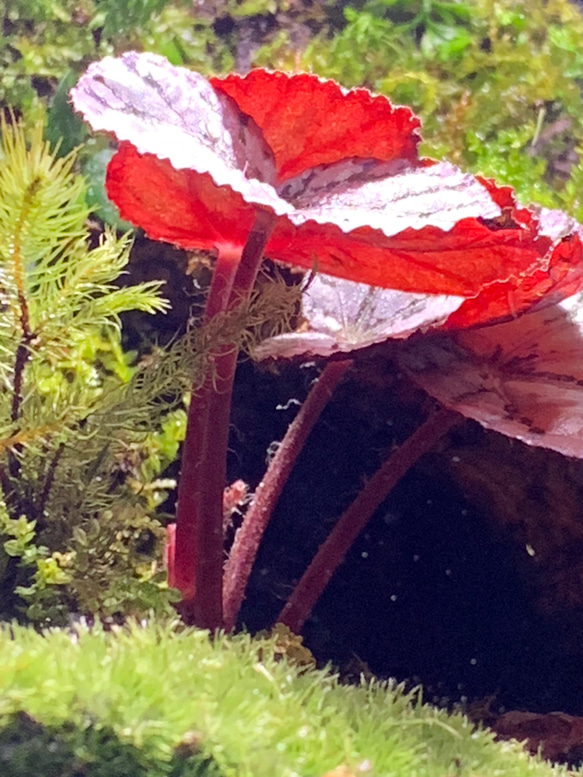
x=159, y=700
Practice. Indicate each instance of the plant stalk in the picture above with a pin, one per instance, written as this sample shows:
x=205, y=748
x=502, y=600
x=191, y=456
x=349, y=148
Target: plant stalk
x=332, y=552
x=188, y=544
x=198, y=562
x=248, y=536
x=23, y=316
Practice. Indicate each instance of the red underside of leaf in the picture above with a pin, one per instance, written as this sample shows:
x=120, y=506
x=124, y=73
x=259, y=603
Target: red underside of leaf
x=502, y=195
x=461, y=261
x=308, y=121
x=189, y=210
x=558, y=276
x=178, y=206
x=563, y=278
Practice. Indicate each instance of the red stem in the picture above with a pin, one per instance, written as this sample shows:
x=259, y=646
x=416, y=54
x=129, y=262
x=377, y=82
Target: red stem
x=188, y=545
x=226, y=267
x=198, y=563
x=332, y=552
x=248, y=537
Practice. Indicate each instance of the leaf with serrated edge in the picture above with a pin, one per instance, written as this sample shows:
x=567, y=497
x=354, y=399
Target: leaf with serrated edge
x=338, y=168
x=523, y=378
x=389, y=196
x=200, y=161
x=343, y=316
x=175, y=114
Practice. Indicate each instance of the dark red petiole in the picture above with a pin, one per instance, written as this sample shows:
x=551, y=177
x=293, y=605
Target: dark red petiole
x=198, y=561
x=332, y=552
x=248, y=537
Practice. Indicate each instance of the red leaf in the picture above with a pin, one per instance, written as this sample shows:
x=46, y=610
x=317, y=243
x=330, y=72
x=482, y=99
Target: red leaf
x=372, y=212
x=554, y=234
x=461, y=261
x=352, y=198
x=190, y=211
x=176, y=205
x=308, y=121
x=523, y=378
x=342, y=316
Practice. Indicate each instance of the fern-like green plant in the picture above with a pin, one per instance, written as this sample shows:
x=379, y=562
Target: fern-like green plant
x=68, y=413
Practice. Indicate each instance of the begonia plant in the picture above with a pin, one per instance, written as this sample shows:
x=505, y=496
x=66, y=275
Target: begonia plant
x=520, y=376
x=322, y=179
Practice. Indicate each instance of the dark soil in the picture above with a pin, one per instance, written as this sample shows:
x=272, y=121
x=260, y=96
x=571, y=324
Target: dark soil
x=436, y=589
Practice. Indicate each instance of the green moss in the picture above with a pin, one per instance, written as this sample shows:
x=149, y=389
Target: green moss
x=169, y=701
x=27, y=748
x=46, y=41
x=499, y=93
